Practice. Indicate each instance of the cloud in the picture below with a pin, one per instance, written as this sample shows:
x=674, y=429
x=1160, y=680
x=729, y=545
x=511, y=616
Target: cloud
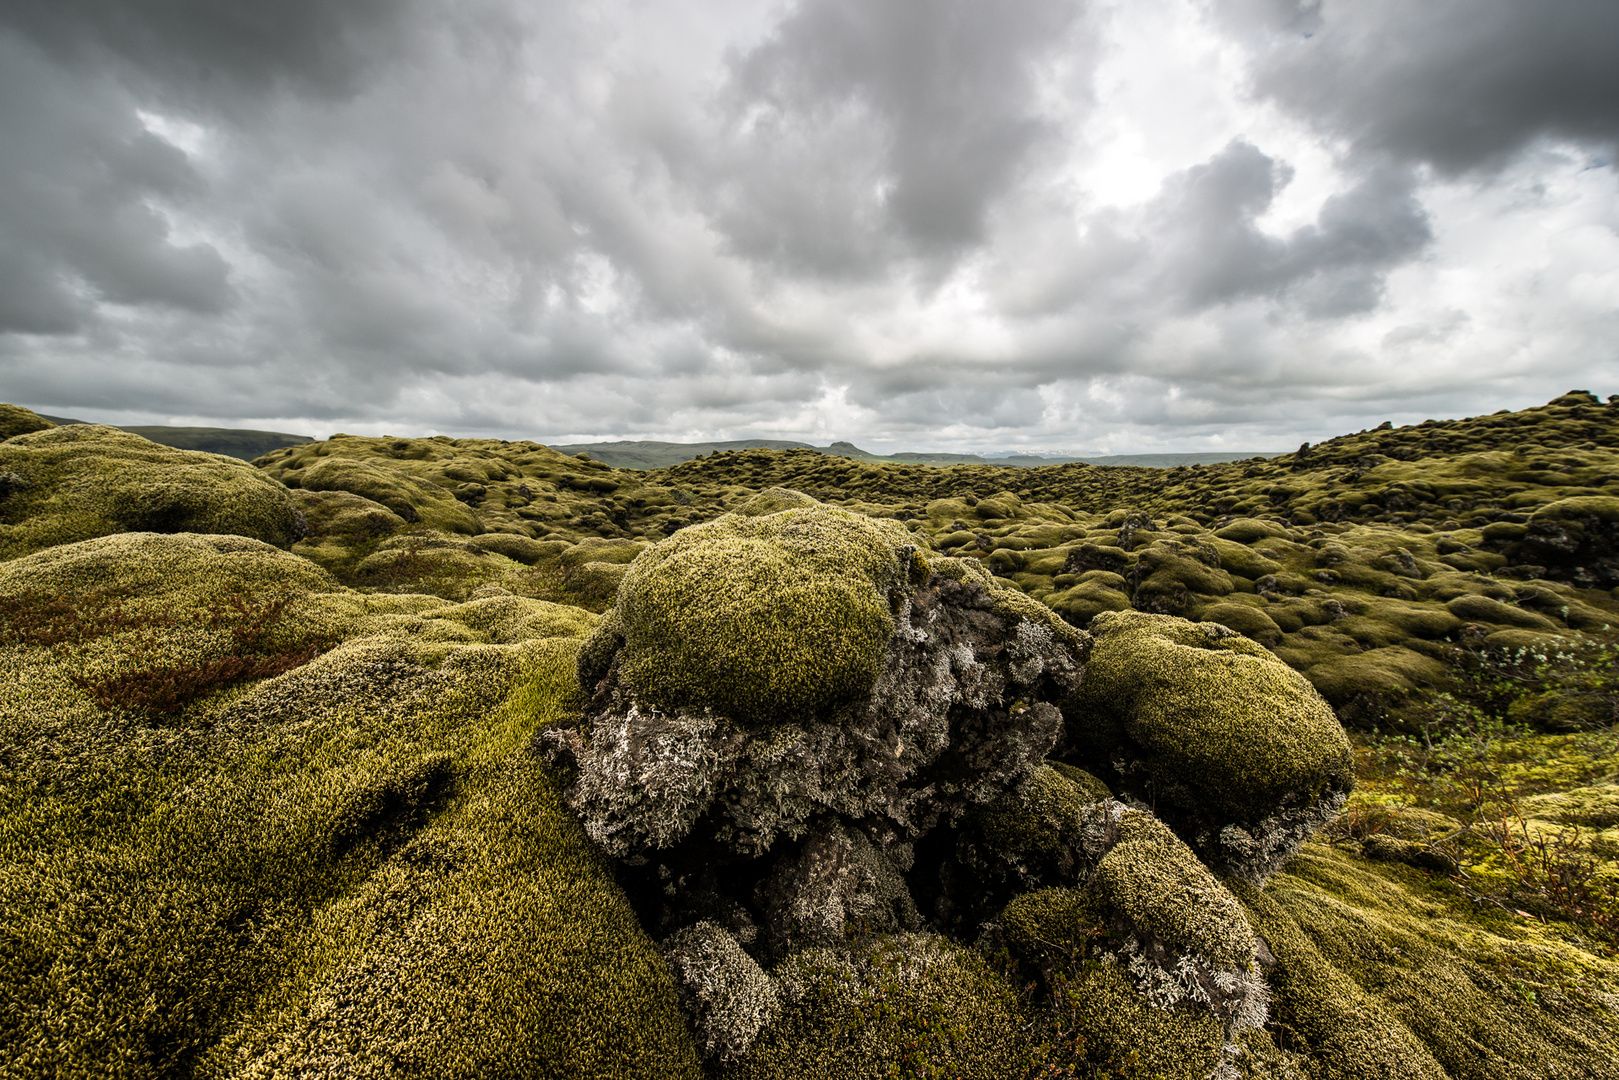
x=885, y=128
x=84, y=194
x=917, y=224
x=198, y=51
x=1456, y=84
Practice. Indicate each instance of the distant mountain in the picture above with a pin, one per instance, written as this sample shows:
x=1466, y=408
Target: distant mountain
x=1167, y=461
x=244, y=443
x=660, y=455
x=247, y=444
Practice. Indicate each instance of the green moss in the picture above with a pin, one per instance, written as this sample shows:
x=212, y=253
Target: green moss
x=1484, y=610
x=1250, y=622
x=1216, y=716
x=594, y=549
x=1377, y=979
x=1387, y=673
x=1152, y=879
x=773, y=501
x=84, y=480
x=16, y=420
x=906, y=1006
x=358, y=861
x=401, y=493
x=1248, y=530
x=785, y=615
x=1036, y=826
x=1117, y=1030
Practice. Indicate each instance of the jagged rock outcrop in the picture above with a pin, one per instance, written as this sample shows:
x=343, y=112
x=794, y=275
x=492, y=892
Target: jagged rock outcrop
x=802, y=723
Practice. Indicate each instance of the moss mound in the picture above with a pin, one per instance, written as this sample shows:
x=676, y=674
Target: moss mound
x=1209, y=727
x=16, y=420
x=354, y=865
x=404, y=495
x=906, y=1005
x=774, y=617
x=1376, y=977
x=86, y=480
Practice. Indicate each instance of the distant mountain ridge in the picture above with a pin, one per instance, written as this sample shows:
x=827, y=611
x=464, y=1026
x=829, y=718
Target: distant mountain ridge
x=250, y=443
x=659, y=455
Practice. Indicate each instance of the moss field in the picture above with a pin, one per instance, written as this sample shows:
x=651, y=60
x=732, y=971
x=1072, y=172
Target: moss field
x=270, y=807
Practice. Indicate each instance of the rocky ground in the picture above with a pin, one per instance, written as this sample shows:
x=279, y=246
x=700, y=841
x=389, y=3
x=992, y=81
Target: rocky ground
x=394, y=757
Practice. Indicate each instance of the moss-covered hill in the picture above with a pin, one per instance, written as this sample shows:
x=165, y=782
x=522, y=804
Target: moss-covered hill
x=1362, y=561
x=285, y=780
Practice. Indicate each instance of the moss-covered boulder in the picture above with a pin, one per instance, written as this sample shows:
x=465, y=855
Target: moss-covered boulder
x=81, y=481
x=810, y=686
x=403, y=494
x=351, y=867
x=1151, y=957
x=16, y=420
x=764, y=618
x=1232, y=747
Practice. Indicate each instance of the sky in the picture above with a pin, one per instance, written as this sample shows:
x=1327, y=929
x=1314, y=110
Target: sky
x=1097, y=226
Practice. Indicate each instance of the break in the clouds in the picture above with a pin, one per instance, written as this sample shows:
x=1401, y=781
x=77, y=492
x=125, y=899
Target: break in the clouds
x=916, y=224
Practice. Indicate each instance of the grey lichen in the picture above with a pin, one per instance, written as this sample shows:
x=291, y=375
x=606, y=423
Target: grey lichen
x=726, y=997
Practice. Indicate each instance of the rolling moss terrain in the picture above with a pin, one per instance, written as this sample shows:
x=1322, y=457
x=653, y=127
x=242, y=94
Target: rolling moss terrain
x=271, y=803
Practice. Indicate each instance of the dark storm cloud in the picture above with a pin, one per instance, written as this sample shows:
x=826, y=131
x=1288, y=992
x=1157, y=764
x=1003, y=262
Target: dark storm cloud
x=201, y=49
x=1213, y=250
x=901, y=117
x=78, y=181
x=1458, y=84
x=819, y=219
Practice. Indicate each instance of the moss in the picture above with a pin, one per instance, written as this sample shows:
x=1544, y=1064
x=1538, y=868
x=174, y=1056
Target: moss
x=1378, y=979
x=1392, y=670
x=1033, y=830
x=771, y=617
x=345, y=516
x=514, y=546
x=1248, y=530
x=1081, y=603
x=356, y=865
x=773, y=501
x=1484, y=610
x=1152, y=880
x=1118, y=1031
x=1220, y=724
x=85, y=480
x=908, y=1005
x=399, y=492
x=1346, y=1033
x=16, y=420
x=1250, y=622
x=594, y=549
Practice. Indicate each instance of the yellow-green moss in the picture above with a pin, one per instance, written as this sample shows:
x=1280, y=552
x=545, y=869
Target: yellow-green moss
x=400, y=492
x=771, y=617
x=85, y=480
x=907, y=1005
x=1377, y=979
x=1118, y=1029
x=16, y=420
x=1217, y=713
x=1152, y=879
x=355, y=865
